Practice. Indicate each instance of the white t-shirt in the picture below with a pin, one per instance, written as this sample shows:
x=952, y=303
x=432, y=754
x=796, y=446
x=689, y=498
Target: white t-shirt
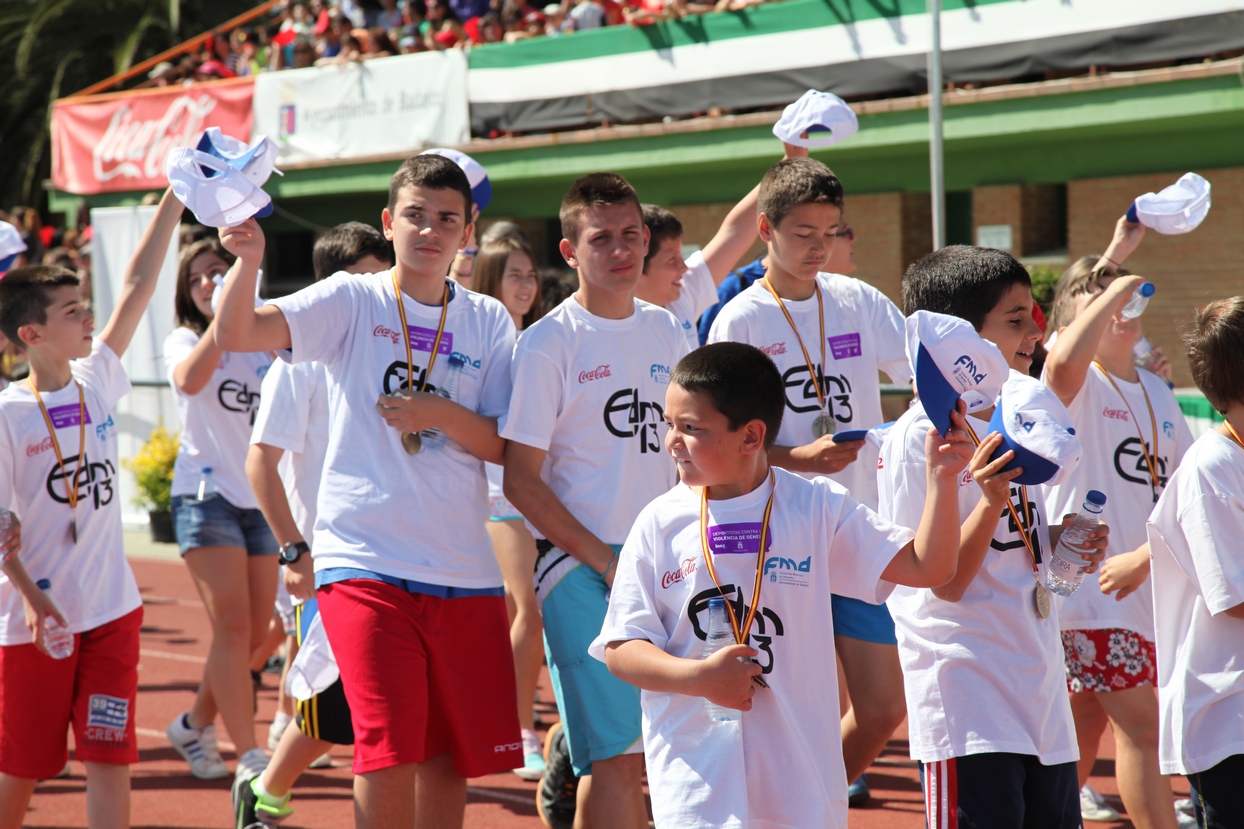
x=864, y=333
x=91, y=580
x=781, y=766
x=216, y=423
x=1114, y=464
x=1196, y=534
x=293, y=416
x=590, y=391
x=699, y=293
x=984, y=674
x=418, y=517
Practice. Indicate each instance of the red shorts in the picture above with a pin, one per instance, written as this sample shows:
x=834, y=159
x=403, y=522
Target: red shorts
x=93, y=690
x=424, y=676
x=1112, y=659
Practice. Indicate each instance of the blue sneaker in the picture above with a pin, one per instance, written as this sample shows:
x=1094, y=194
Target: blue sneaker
x=858, y=794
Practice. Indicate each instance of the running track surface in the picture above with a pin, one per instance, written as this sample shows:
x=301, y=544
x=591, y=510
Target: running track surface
x=175, y=638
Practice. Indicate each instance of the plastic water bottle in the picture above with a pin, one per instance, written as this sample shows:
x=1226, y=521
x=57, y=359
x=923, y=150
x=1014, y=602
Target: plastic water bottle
x=719, y=635
x=56, y=638
x=1065, y=572
x=1136, y=305
x=449, y=391
x=1142, y=354
x=207, y=484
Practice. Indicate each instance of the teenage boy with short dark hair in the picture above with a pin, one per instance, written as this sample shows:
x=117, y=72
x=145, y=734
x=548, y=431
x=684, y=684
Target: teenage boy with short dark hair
x=774, y=545
x=408, y=586
x=829, y=335
x=988, y=714
x=585, y=454
x=58, y=466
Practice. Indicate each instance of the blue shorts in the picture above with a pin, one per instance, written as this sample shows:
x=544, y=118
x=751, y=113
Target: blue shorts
x=215, y=522
x=600, y=713
x=860, y=620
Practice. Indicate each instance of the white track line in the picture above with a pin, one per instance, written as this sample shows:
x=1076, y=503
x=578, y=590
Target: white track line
x=177, y=657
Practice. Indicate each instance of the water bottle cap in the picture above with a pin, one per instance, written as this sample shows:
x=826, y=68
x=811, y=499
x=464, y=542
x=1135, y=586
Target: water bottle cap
x=717, y=602
x=1146, y=289
x=44, y=584
x=207, y=470
x=1095, y=497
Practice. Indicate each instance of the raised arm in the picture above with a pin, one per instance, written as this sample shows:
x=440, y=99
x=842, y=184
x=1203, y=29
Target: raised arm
x=141, y=274
x=1127, y=237
x=239, y=325
x=1067, y=365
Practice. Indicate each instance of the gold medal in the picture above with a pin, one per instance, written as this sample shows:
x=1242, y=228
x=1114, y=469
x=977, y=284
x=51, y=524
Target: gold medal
x=411, y=441
x=1041, y=597
x=823, y=425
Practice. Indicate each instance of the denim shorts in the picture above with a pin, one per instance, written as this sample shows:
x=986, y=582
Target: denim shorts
x=215, y=522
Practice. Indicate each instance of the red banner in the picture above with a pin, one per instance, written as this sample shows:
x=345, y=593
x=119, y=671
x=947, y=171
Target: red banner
x=113, y=142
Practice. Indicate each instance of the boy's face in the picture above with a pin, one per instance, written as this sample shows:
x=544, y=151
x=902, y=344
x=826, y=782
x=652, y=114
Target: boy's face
x=609, y=253
x=1010, y=326
x=69, y=327
x=1123, y=333
x=704, y=448
x=427, y=227
x=800, y=243
x=662, y=279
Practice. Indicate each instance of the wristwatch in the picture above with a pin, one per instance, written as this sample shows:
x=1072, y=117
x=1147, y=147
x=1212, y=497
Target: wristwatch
x=294, y=550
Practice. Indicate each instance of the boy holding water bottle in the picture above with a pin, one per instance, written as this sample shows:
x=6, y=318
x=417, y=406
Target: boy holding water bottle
x=58, y=467
x=774, y=545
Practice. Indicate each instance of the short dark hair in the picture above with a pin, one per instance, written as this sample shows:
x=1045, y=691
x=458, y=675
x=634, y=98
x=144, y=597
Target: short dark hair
x=795, y=181
x=1215, y=343
x=434, y=172
x=342, y=246
x=187, y=313
x=662, y=226
x=594, y=190
x=26, y=294
x=740, y=380
x=490, y=264
x=962, y=281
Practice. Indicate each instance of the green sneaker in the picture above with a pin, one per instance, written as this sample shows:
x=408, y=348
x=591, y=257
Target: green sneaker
x=254, y=812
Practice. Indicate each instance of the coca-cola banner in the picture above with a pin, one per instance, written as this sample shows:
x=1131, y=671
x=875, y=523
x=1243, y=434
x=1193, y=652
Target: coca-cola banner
x=117, y=142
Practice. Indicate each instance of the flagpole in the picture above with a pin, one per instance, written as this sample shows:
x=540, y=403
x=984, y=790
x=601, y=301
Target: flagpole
x=937, y=179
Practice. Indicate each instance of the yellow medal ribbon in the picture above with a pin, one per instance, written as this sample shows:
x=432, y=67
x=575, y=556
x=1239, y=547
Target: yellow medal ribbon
x=1151, y=462
x=71, y=489
x=436, y=344
x=1234, y=433
x=741, y=634
x=820, y=307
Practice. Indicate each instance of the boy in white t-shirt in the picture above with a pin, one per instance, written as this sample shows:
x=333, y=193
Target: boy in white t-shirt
x=779, y=766
x=1134, y=436
x=58, y=467
x=585, y=455
x=285, y=462
x=408, y=587
x=988, y=715
x=829, y=335
x=1195, y=541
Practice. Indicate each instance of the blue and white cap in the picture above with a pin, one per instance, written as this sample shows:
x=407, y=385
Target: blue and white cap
x=1037, y=426
x=256, y=161
x=11, y=244
x=950, y=362
x=1179, y=208
x=477, y=176
x=218, y=194
x=823, y=115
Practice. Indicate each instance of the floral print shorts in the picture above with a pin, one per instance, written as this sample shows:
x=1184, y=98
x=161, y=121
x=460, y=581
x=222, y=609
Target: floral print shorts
x=1107, y=660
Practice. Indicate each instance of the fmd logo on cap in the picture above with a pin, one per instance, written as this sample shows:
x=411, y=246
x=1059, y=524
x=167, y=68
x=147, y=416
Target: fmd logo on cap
x=1037, y=426
x=951, y=362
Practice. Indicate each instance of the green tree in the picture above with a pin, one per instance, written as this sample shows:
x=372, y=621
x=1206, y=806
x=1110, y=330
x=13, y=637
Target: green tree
x=53, y=48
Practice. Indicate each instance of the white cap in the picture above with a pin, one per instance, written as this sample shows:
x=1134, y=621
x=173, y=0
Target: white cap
x=217, y=194
x=1035, y=423
x=256, y=161
x=477, y=176
x=1179, y=208
x=11, y=244
x=951, y=361
x=823, y=115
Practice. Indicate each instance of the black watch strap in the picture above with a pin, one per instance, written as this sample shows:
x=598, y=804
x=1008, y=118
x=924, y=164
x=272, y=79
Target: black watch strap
x=291, y=552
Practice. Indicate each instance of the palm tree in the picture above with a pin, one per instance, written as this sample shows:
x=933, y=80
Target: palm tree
x=53, y=48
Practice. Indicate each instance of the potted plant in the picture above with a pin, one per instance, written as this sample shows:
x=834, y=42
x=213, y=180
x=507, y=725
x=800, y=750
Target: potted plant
x=153, y=475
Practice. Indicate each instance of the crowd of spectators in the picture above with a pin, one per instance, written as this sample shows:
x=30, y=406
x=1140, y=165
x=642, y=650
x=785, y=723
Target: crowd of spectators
x=305, y=33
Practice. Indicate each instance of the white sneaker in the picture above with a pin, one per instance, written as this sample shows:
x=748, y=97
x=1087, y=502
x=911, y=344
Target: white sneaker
x=197, y=746
x=1094, y=807
x=280, y=722
x=251, y=764
x=324, y=761
x=1185, y=805
x=1186, y=821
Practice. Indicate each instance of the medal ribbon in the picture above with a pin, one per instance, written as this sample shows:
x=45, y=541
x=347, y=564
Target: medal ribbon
x=1025, y=531
x=820, y=307
x=1151, y=462
x=436, y=344
x=71, y=491
x=740, y=633
x=1234, y=433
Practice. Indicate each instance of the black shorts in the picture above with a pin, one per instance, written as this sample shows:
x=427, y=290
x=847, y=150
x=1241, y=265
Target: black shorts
x=989, y=791
x=325, y=716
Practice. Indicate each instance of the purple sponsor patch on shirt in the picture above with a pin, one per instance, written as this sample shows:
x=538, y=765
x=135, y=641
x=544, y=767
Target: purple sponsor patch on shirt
x=845, y=345
x=421, y=339
x=737, y=539
x=67, y=415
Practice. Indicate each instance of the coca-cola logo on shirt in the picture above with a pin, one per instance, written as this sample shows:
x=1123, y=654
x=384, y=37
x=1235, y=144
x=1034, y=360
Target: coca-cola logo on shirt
x=598, y=373
x=386, y=332
x=673, y=577
x=776, y=348
x=138, y=149
x=39, y=448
